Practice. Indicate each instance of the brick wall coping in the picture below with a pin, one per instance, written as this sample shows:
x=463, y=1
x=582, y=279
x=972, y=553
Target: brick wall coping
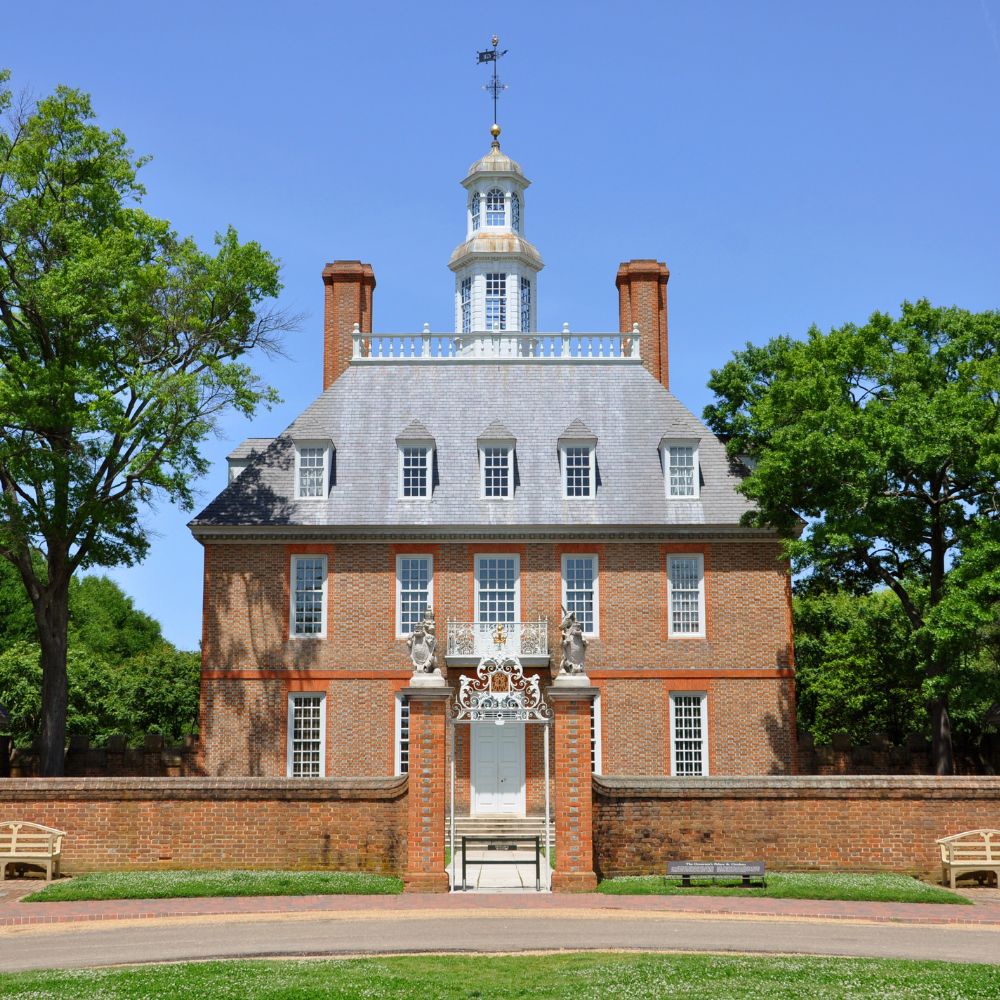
x=801, y=786
x=16, y=790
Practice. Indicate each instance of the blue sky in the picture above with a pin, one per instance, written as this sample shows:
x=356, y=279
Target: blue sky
x=793, y=163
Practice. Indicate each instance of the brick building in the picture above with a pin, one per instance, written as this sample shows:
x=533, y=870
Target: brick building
x=497, y=475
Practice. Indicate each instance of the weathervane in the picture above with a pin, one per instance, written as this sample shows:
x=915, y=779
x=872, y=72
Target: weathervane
x=494, y=87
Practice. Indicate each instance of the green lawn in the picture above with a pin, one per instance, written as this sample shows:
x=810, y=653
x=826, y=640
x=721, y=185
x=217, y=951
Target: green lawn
x=581, y=976
x=884, y=887
x=168, y=885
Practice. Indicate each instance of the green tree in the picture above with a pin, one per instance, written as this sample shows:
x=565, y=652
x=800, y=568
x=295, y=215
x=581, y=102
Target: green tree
x=875, y=451
x=120, y=345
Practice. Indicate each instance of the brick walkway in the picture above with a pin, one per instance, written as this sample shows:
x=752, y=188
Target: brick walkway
x=15, y=913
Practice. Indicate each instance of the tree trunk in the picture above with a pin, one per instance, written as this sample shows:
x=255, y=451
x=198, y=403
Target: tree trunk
x=51, y=619
x=941, y=750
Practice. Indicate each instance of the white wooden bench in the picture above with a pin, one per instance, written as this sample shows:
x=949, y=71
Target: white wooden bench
x=25, y=844
x=972, y=851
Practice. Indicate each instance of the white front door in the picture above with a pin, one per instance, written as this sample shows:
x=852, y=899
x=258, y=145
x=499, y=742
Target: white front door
x=497, y=768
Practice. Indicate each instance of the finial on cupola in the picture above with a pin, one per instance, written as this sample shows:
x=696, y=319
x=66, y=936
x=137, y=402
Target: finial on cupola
x=494, y=87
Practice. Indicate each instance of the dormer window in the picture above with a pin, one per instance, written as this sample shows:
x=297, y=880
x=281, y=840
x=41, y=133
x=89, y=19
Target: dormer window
x=313, y=460
x=497, y=464
x=680, y=469
x=578, y=469
x=495, y=208
x=416, y=462
x=515, y=213
x=475, y=211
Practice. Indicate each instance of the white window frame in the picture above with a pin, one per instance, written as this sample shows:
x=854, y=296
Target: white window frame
x=509, y=447
x=429, y=446
x=399, y=586
x=293, y=696
x=517, y=579
x=564, y=447
x=596, y=756
x=327, y=448
x=703, y=696
x=321, y=634
x=700, y=559
x=400, y=698
x=597, y=566
x=693, y=444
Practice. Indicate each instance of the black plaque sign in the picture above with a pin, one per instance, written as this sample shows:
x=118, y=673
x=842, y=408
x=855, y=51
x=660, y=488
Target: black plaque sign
x=715, y=869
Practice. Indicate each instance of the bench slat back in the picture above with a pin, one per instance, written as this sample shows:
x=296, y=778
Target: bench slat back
x=16, y=837
x=975, y=845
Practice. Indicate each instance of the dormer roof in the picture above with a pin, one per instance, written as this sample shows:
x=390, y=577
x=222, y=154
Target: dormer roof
x=578, y=431
x=495, y=431
x=414, y=431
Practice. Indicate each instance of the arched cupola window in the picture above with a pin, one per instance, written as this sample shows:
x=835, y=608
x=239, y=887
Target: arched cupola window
x=494, y=207
x=515, y=213
x=475, y=211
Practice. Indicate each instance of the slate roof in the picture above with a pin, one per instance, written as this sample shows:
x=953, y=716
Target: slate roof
x=364, y=411
x=249, y=447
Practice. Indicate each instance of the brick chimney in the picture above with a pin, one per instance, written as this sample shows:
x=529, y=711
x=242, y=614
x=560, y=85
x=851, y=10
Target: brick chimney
x=347, y=299
x=642, y=299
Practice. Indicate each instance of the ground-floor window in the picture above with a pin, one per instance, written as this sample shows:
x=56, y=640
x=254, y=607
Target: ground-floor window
x=595, y=735
x=688, y=734
x=402, y=734
x=306, y=726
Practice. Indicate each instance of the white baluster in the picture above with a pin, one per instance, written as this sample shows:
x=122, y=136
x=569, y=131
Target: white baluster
x=356, y=341
x=425, y=343
x=565, y=340
x=635, y=341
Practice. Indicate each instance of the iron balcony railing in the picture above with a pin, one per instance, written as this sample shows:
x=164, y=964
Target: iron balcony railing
x=480, y=639
x=495, y=346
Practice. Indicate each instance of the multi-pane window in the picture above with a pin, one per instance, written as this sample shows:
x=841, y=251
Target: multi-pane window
x=305, y=735
x=579, y=574
x=497, y=588
x=496, y=463
x=415, y=468
x=496, y=301
x=466, y=305
x=525, y=305
x=515, y=213
x=414, y=576
x=686, y=592
x=475, y=210
x=402, y=734
x=688, y=750
x=595, y=735
x=681, y=468
x=308, y=588
x=494, y=207
x=577, y=460
x=311, y=472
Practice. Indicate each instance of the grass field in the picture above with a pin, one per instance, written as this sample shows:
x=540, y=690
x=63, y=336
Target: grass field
x=883, y=887
x=170, y=885
x=582, y=976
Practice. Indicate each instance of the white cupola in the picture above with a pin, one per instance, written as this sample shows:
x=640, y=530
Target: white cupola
x=496, y=268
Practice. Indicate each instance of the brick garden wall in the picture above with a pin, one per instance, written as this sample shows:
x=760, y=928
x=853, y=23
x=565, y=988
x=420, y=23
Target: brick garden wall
x=833, y=823
x=148, y=823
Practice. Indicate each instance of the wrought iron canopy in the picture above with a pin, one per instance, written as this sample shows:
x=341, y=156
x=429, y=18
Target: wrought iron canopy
x=500, y=693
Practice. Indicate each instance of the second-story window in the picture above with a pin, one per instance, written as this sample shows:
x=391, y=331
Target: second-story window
x=495, y=207
x=497, y=588
x=308, y=593
x=496, y=301
x=515, y=213
x=525, y=305
x=578, y=472
x=475, y=211
x=497, y=466
x=415, y=471
x=466, y=305
x=414, y=594
x=579, y=580
x=686, y=595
